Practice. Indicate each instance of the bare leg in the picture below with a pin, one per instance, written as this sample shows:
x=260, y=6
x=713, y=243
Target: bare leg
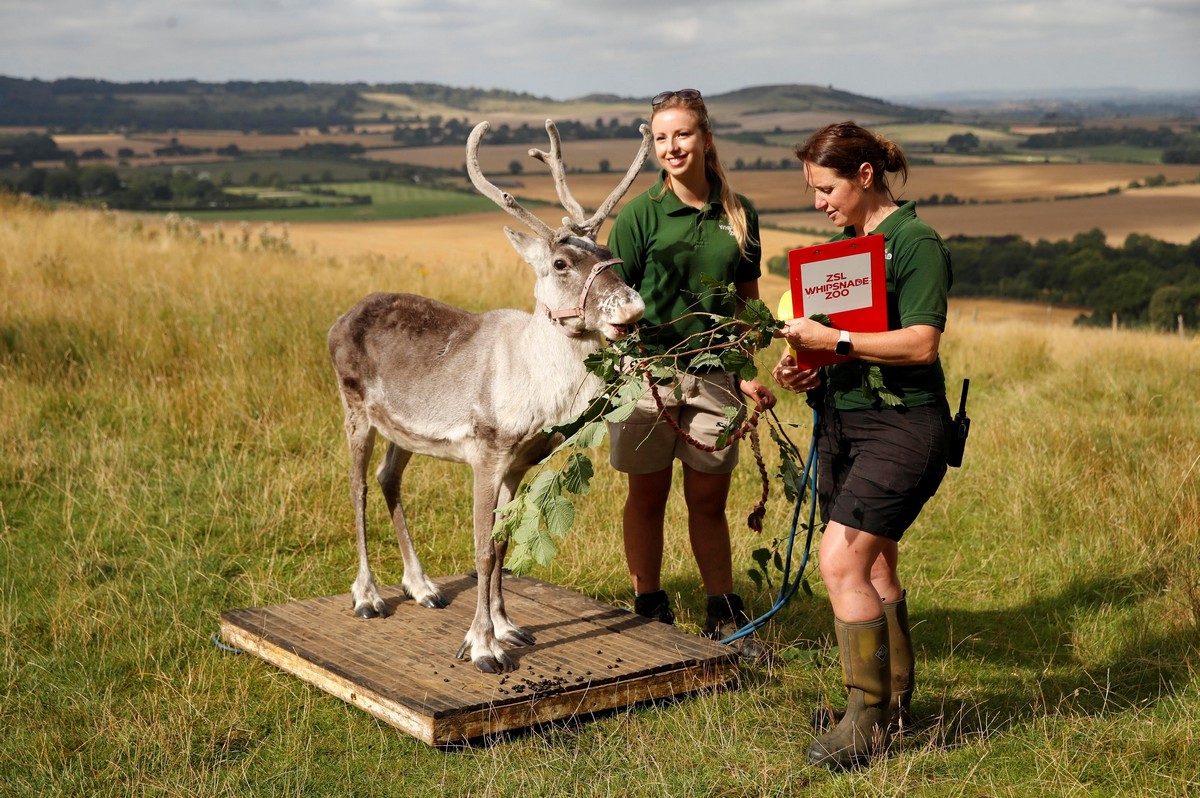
x=884, y=578
x=848, y=558
x=645, y=510
x=708, y=529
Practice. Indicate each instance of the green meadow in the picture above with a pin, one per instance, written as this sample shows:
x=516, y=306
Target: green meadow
x=388, y=201
x=171, y=447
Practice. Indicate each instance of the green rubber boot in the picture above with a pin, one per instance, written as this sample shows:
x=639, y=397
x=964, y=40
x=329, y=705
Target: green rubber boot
x=862, y=731
x=903, y=680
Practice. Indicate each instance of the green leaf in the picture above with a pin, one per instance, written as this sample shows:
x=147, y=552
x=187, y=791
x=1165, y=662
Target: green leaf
x=734, y=359
x=621, y=412
x=543, y=549
x=591, y=436
x=559, y=513
x=712, y=283
x=630, y=392
x=707, y=360
x=577, y=474
x=527, y=526
x=543, y=488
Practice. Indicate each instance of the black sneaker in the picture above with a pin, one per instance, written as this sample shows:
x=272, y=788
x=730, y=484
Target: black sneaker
x=656, y=606
x=725, y=615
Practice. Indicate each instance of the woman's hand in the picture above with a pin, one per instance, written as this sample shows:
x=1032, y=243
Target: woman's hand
x=759, y=393
x=804, y=333
x=794, y=378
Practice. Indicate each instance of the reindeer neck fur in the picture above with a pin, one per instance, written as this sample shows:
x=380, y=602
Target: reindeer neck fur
x=554, y=384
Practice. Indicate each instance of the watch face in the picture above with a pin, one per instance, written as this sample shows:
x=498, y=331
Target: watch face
x=843, y=344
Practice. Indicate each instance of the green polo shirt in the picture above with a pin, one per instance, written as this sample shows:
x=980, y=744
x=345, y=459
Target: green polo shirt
x=666, y=245
x=918, y=279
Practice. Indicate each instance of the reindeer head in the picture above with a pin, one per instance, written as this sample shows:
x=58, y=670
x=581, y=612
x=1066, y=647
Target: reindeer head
x=575, y=287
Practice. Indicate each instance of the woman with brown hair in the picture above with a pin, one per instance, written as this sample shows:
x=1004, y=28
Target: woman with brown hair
x=878, y=463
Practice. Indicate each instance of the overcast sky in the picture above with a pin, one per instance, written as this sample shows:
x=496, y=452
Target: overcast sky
x=635, y=48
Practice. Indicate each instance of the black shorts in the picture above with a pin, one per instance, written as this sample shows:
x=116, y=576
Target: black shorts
x=877, y=468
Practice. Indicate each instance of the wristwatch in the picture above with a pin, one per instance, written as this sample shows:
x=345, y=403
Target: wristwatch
x=843, y=344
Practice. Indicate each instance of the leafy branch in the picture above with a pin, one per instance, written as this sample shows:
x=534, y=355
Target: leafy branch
x=542, y=513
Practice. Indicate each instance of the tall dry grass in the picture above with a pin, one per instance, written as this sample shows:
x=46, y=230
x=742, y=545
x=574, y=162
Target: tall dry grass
x=171, y=447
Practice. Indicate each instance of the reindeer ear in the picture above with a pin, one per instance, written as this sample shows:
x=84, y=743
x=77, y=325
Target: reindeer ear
x=532, y=248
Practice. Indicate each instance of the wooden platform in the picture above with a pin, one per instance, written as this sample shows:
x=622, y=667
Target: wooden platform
x=589, y=657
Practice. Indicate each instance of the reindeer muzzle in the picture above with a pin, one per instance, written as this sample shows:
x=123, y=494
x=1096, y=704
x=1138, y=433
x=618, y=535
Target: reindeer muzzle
x=557, y=316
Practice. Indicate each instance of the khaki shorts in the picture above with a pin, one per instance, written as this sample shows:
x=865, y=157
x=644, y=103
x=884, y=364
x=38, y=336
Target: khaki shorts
x=645, y=444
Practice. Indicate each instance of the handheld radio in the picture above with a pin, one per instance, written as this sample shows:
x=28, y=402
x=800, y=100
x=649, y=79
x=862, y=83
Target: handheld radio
x=960, y=427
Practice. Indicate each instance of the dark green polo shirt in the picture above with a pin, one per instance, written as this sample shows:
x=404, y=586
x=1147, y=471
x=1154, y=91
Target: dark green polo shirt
x=918, y=279
x=666, y=245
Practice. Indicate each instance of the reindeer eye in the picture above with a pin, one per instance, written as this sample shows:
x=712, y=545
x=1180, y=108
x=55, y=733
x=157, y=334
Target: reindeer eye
x=560, y=265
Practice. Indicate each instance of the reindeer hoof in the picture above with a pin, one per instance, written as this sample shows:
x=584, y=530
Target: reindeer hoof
x=518, y=637
x=427, y=594
x=377, y=610
x=489, y=665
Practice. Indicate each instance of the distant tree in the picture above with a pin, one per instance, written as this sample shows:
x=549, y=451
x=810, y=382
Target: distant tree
x=99, y=180
x=605, y=166
x=515, y=167
x=62, y=184
x=963, y=142
x=33, y=182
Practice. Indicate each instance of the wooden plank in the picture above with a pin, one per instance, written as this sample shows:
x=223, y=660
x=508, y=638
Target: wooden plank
x=589, y=657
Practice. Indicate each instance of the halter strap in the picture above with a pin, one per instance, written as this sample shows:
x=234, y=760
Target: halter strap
x=566, y=313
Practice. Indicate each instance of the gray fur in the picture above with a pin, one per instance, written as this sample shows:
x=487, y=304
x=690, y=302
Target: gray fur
x=475, y=388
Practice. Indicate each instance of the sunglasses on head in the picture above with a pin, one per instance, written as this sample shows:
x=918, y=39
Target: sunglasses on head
x=683, y=94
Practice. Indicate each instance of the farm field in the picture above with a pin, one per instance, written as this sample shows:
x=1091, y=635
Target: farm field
x=786, y=189
x=1169, y=214
x=171, y=446
x=477, y=239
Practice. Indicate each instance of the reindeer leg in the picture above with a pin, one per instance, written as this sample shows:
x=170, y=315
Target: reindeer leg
x=480, y=643
x=415, y=583
x=361, y=436
x=506, y=630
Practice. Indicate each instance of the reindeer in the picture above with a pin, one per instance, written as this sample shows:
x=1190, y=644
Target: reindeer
x=479, y=388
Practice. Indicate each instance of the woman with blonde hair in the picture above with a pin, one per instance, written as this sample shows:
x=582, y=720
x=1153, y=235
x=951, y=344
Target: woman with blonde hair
x=689, y=225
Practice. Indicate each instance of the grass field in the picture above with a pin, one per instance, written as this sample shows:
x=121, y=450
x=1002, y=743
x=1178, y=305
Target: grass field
x=171, y=447
x=389, y=201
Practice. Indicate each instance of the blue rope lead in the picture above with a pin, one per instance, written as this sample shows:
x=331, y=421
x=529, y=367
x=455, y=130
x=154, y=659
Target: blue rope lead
x=808, y=484
x=216, y=641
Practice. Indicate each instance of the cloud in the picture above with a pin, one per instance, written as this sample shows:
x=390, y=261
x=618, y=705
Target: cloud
x=568, y=49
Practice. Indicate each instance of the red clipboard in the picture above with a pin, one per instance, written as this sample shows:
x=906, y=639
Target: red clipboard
x=847, y=281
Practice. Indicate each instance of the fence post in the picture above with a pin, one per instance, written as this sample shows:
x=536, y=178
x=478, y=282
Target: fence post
x=1114, y=321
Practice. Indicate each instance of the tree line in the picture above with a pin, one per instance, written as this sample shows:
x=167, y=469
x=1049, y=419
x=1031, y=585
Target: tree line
x=1146, y=282
x=1176, y=147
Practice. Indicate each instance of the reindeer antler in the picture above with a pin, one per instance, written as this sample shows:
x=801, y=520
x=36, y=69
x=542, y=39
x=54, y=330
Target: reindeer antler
x=576, y=222
x=592, y=226
x=502, y=198
x=555, y=161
